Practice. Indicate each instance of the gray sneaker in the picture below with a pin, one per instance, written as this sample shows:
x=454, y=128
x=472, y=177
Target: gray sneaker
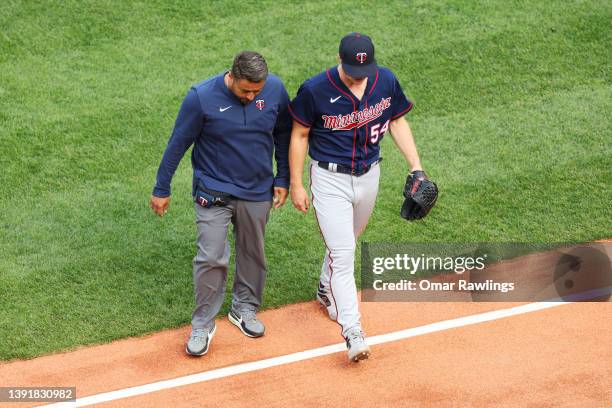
x=323, y=298
x=357, y=346
x=247, y=322
x=199, y=341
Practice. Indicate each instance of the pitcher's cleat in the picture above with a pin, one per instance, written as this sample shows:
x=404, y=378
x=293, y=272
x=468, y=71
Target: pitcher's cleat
x=358, y=349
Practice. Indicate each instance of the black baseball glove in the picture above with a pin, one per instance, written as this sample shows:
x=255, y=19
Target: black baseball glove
x=420, y=196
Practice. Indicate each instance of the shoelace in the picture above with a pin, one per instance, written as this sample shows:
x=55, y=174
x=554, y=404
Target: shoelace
x=199, y=333
x=355, y=335
x=248, y=315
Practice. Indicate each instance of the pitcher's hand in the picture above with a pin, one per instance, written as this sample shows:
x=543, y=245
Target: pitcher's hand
x=300, y=200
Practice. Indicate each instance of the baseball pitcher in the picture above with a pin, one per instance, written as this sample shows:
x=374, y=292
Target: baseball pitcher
x=340, y=116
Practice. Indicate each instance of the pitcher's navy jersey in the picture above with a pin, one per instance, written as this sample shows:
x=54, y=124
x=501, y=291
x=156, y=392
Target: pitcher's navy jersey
x=343, y=129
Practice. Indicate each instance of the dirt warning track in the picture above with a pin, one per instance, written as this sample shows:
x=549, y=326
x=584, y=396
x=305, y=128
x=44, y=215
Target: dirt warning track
x=558, y=356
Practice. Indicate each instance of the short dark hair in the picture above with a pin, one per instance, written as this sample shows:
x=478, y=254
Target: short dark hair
x=251, y=66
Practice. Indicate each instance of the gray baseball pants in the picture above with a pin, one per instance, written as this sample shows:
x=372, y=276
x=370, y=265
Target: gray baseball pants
x=343, y=205
x=210, y=265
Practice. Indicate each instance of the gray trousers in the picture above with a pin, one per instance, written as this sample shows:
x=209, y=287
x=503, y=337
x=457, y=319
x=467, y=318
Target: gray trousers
x=210, y=265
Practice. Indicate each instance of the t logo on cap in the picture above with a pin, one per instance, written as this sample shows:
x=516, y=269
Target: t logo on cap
x=361, y=57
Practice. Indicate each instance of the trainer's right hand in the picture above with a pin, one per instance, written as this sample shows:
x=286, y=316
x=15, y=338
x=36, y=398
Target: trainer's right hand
x=299, y=198
x=159, y=205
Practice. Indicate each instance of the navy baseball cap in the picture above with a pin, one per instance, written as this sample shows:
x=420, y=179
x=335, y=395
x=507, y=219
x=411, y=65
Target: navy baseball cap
x=357, y=55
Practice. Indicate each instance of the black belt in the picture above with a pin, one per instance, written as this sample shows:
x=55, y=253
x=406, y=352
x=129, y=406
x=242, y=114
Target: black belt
x=339, y=168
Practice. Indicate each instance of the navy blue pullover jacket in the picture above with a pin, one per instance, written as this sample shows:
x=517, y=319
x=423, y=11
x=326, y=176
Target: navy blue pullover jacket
x=233, y=143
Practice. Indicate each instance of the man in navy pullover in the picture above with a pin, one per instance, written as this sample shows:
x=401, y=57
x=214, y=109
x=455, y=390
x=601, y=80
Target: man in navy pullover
x=235, y=121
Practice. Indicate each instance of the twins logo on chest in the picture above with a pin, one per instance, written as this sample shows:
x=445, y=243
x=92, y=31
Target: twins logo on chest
x=358, y=118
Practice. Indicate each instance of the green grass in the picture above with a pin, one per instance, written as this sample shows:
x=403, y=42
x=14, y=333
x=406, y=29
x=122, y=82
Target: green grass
x=512, y=120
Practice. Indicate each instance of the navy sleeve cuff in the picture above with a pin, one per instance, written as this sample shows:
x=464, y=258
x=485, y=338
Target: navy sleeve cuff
x=161, y=192
x=281, y=182
x=298, y=119
x=402, y=113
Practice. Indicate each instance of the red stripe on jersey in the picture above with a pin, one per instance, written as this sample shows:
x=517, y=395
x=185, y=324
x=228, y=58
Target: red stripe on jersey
x=365, y=143
x=340, y=90
x=374, y=84
x=354, y=109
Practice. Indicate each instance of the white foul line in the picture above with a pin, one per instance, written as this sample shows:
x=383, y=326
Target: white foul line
x=304, y=355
